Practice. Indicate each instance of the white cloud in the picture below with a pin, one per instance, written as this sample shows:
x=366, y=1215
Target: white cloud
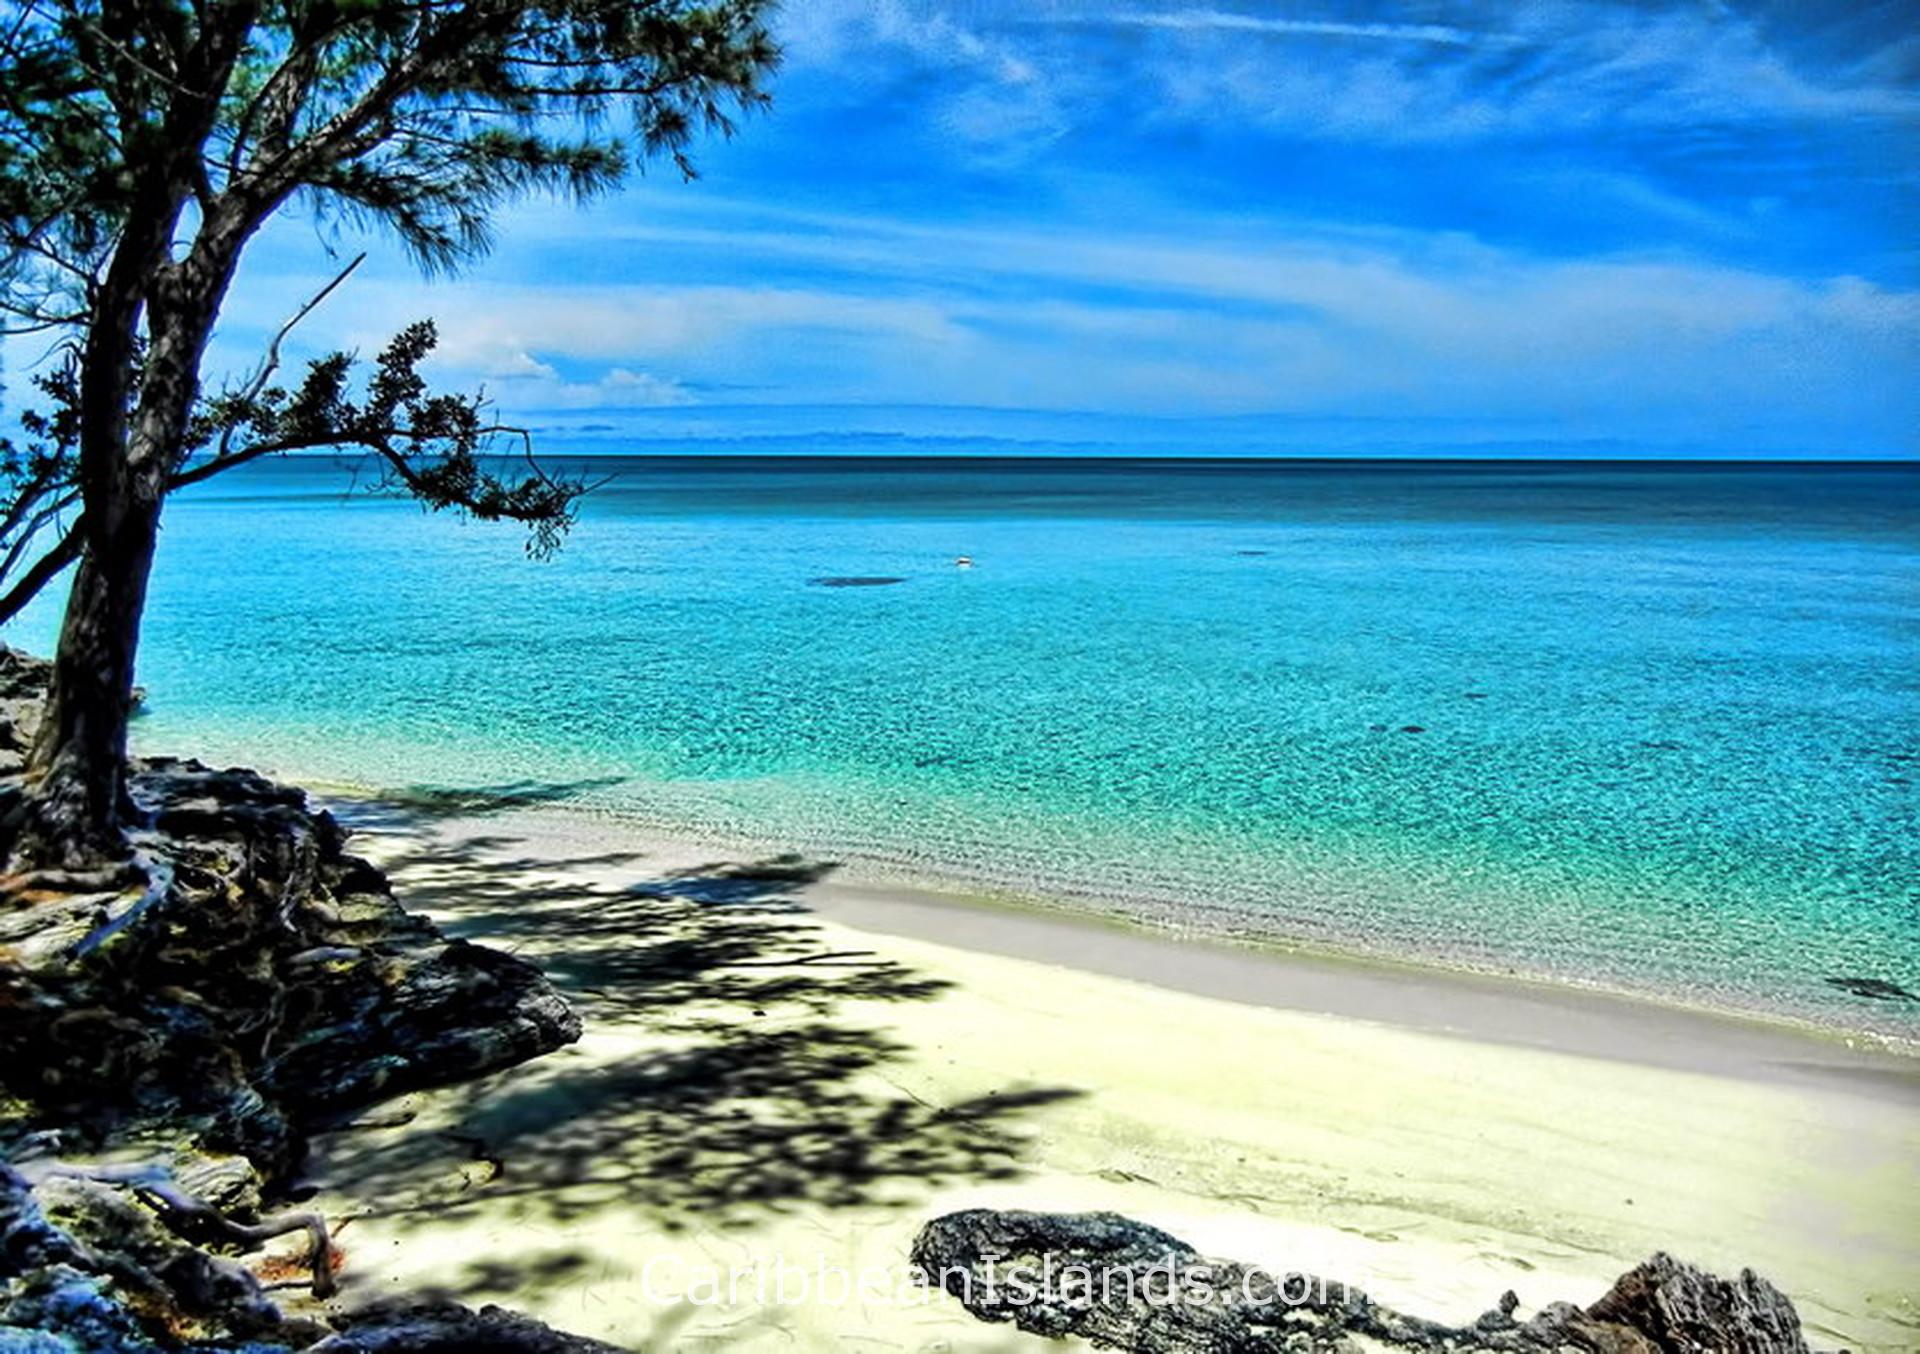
x=1331, y=322
x=828, y=32
x=1004, y=105
x=1562, y=67
x=1552, y=65
x=618, y=389
x=1213, y=20
x=518, y=366
x=488, y=328
x=644, y=388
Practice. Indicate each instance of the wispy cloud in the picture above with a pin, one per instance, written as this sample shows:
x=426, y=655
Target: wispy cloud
x=1420, y=325
x=1218, y=21
x=993, y=94
x=1551, y=66
x=1656, y=224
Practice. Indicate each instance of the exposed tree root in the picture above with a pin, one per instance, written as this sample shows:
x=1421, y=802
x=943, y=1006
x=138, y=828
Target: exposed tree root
x=195, y=1221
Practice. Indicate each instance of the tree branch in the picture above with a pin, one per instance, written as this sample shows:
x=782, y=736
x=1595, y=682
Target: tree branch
x=34, y=527
x=183, y=1214
x=43, y=571
x=271, y=363
x=376, y=440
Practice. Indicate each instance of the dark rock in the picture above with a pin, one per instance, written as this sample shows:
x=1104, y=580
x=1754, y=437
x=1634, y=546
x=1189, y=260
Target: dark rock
x=27, y=1239
x=85, y=1270
x=23, y=676
x=1108, y=1279
x=457, y=1012
x=1679, y=1308
x=247, y=983
x=84, y=1267
x=23, y=686
x=270, y=981
x=855, y=581
x=1121, y=1284
x=448, y=1328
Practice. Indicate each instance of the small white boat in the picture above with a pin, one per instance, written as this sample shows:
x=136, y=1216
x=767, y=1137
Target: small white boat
x=963, y=562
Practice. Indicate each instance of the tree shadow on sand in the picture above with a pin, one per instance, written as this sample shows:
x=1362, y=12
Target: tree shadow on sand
x=757, y=1079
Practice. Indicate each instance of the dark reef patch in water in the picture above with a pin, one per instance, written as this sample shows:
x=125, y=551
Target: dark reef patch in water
x=1877, y=988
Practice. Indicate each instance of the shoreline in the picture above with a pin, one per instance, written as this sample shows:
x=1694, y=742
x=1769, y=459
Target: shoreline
x=1429, y=1139
x=888, y=896
x=1515, y=1010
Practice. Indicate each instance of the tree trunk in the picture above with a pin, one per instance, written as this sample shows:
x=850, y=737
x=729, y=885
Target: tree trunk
x=77, y=773
x=131, y=437
x=71, y=814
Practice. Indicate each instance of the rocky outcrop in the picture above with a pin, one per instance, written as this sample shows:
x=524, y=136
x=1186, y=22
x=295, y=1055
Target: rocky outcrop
x=1676, y=1307
x=84, y=1270
x=449, y=1328
x=84, y=1266
x=259, y=980
x=1121, y=1284
x=192, y=1021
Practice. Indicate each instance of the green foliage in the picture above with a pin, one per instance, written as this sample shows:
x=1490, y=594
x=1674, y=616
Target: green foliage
x=422, y=116
x=143, y=142
x=441, y=448
x=435, y=446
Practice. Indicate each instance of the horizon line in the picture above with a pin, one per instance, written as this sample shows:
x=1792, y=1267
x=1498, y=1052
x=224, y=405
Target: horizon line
x=1363, y=458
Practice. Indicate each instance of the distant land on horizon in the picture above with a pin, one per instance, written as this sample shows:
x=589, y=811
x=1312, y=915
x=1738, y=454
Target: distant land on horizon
x=963, y=431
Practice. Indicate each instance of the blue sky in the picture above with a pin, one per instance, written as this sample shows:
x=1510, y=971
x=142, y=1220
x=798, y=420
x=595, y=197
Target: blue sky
x=1655, y=228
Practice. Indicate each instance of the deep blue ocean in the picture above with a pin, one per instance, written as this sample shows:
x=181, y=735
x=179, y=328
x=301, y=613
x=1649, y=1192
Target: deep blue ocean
x=1650, y=727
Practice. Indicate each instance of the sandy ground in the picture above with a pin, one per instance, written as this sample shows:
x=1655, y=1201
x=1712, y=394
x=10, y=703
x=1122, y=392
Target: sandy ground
x=783, y=1077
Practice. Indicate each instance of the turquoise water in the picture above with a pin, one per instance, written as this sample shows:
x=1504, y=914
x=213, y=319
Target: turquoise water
x=1669, y=717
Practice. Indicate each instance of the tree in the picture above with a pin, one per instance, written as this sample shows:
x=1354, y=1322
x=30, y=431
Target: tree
x=143, y=143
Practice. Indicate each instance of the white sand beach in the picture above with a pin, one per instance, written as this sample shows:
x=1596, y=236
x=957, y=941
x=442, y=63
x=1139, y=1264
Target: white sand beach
x=782, y=1075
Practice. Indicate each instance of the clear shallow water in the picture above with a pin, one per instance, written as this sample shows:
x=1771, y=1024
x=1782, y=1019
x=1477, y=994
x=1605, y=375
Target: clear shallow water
x=1670, y=717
